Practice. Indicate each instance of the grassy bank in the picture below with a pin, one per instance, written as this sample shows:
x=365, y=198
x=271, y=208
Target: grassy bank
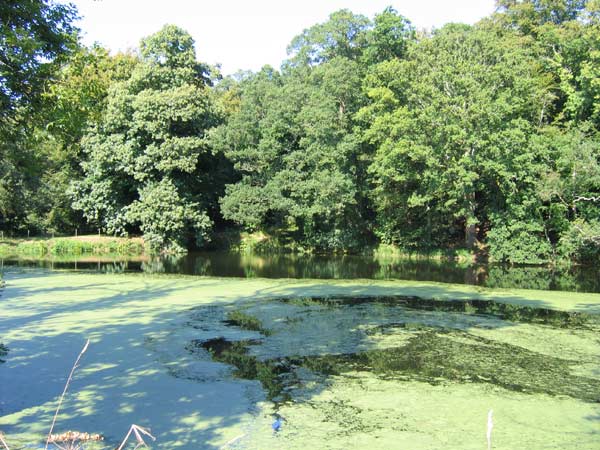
x=75, y=246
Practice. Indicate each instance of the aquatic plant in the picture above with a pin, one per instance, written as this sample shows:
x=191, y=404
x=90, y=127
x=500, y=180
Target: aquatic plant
x=77, y=247
x=248, y=367
x=246, y=322
x=467, y=357
x=504, y=311
x=7, y=249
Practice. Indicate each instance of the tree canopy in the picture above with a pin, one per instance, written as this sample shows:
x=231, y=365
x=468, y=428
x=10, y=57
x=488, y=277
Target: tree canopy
x=484, y=137
x=147, y=160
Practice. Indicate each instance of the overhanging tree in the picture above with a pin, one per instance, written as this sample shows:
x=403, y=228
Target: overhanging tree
x=36, y=37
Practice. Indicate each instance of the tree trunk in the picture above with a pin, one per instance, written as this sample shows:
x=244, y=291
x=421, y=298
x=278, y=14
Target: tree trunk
x=471, y=222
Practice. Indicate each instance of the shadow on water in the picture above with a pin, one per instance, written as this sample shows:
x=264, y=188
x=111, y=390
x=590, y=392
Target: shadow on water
x=123, y=385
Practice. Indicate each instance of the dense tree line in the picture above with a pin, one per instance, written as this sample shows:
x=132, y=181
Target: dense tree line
x=483, y=137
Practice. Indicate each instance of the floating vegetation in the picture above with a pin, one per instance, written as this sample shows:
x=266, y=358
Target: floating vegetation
x=429, y=348
x=437, y=356
x=432, y=356
x=504, y=311
x=246, y=322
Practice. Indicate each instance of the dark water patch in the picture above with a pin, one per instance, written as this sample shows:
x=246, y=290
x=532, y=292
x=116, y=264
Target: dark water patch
x=276, y=376
x=3, y=352
x=313, y=338
x=431, y=355
x=503, y=311
x=115, y=265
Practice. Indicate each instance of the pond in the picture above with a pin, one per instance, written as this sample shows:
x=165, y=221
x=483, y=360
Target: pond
x=228, y=264
x=211, y=363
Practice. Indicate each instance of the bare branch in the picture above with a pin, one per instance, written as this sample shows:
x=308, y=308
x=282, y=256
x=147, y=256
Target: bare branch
x=586, y=199
x=136, y=429
x=3, y=442
x=228, y=443
x=85, y=347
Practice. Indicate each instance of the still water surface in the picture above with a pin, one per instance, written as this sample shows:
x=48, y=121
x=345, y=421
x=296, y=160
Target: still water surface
x=227, y=264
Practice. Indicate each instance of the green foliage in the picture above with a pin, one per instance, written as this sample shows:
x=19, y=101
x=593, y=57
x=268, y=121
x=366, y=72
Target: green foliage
x=448, y=131
x=581, y=241
x=475, y=139
x=148, y=160
x=35, y=37
x=291, y=140
x=165, y=216
x=108, y=246
x=32, y=248
x=343, y=35
x=518, y=241
x=389, y=37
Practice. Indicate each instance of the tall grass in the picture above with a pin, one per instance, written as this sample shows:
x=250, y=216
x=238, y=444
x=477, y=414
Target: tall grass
x=462, y=255
x=77, y=247
x=66, y=246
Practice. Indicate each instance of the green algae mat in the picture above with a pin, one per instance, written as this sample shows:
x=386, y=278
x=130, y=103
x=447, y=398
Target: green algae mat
x=210, y=363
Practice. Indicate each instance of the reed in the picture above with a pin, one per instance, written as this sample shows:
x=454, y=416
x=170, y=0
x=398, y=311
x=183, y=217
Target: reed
x=74, y=440
x=85, y=347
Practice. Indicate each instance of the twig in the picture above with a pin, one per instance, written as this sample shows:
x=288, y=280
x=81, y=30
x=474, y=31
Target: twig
x=136, y=429
x=586, y=199
x=85, y=347
x=228, y=443
x=490, y=426
x=3, y=442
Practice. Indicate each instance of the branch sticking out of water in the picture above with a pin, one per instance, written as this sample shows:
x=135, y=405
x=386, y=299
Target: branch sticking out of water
x=137, y=431
x=3, y=442
x=83, y=350
x=231, y=441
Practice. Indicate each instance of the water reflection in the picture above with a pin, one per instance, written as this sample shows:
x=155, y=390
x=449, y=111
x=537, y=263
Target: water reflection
x=225, y=264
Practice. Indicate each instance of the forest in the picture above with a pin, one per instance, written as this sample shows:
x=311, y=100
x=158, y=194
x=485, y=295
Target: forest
x=481, y=137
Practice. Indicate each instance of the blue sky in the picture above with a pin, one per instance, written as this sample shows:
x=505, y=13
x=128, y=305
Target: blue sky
x=246, y=34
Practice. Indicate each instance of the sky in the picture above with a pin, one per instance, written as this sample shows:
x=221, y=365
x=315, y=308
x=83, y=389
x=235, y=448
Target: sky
x=247, y=34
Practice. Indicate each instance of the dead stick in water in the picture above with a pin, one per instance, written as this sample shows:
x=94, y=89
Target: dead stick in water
x=85, y=347
x=136, y=430
x=3, y=442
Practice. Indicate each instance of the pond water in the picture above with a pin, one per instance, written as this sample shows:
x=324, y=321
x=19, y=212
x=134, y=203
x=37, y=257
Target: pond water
x=222, y=363
x=396, y=338
x=227, y=264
